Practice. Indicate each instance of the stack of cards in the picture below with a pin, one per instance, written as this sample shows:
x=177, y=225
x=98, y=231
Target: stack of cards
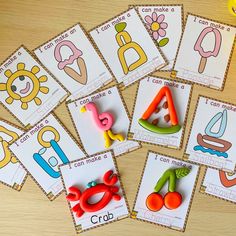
x=73, y=67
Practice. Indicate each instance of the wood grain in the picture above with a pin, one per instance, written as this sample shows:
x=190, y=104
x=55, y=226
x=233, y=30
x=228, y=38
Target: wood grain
x=29, y=212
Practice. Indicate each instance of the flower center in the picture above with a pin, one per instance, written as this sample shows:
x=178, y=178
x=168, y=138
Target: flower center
x=155, y=26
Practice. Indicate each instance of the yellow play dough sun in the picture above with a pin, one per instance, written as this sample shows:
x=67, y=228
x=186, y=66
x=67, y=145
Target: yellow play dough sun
x=32, y=91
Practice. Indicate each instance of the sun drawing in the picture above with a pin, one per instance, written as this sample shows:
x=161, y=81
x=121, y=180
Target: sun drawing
x=24, y=85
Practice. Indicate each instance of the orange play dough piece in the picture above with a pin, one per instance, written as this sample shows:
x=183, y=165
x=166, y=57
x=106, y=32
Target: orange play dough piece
x=154, y=202
x=164, y=92
x=172, y=200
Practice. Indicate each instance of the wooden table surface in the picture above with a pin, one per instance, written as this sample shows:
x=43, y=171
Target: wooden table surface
x=29, y=212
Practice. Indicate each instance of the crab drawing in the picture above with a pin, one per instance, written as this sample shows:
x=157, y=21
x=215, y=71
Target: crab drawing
x=108, y=188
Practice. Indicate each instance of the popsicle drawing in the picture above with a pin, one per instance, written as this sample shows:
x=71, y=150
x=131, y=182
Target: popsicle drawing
x=206, y=54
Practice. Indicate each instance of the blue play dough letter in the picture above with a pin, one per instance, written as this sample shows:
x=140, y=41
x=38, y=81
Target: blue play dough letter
x=213, y=121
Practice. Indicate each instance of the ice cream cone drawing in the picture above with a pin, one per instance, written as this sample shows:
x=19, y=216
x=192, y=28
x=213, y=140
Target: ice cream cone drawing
x=125, y=43
x=206, y=54
x=7, y=155
x=76, y=56
x=24, y=85
x=211, y=142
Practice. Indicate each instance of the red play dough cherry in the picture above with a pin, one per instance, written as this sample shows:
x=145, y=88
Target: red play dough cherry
x=154, y=202
x=172, y=200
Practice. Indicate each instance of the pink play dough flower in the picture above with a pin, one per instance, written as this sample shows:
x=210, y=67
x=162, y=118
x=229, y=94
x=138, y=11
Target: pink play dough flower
x=156, y=25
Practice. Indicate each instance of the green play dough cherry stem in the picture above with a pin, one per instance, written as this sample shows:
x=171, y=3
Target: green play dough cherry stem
x=160, y=130
x=171, y=175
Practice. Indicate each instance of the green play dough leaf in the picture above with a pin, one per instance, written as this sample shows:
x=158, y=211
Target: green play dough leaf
x=182, y=172
x=170, y=176
x=120, y=26
x=163, y=42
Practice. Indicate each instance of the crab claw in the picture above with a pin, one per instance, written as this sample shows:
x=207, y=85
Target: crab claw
x=116, y=197
x=74, y=194
x=109, y=178
x=77, y=209
x=114, y=189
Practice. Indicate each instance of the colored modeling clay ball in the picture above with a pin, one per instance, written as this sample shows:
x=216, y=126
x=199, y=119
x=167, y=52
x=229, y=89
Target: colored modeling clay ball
x=172, y=200
x=154, y=202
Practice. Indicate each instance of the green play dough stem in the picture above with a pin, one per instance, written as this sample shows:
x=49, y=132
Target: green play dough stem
x=171, y=175
x=168, y=174
x=160, y=130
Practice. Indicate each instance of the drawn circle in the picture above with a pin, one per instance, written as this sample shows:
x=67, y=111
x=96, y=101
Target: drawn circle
x=11, y=89
x=44, y=143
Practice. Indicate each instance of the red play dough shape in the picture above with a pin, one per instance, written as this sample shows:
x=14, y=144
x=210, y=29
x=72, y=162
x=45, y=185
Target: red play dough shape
x=172, y=200
x=154, y=202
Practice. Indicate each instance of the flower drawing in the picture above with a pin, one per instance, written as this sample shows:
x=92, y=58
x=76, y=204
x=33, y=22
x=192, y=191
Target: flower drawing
x=157, y=27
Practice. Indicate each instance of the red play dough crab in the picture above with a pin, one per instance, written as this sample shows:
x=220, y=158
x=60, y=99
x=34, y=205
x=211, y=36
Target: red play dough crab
x=110, y=192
